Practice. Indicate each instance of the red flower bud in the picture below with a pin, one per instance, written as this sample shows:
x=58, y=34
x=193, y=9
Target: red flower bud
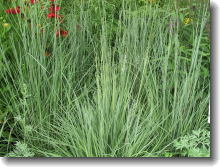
x=33, y=1
x=53, y=15
x=13, y=10
x=54, y=8
x=62, y=33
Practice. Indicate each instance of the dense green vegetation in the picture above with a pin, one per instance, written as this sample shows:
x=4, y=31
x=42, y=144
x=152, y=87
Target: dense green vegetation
x=105, y=78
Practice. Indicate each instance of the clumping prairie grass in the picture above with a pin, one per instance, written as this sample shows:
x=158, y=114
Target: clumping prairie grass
x=98, y=94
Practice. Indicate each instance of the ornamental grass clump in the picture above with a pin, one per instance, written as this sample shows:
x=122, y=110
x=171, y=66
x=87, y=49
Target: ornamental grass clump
x=126, y=79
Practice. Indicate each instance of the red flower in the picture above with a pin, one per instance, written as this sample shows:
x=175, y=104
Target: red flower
x=62, y=33
x=54, y=8
x=53, y=15
x=13, y=10
x=52, y=0
x=33, y=1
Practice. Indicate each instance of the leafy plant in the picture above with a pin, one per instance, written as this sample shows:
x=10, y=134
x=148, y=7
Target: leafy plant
x=196, y=144
x=21, y=150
